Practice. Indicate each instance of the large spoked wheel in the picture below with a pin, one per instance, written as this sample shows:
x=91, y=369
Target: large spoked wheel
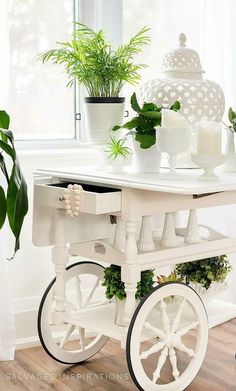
x=167, y=338
x=67, y=343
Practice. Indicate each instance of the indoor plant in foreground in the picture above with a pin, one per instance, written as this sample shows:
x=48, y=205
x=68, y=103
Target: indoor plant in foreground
x=91, y=60
x=207, y=277
x=13, y=196
x=116, y=288
x=143, y=128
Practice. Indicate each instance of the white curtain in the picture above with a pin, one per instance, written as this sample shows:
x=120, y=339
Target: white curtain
x=217, y=44
x=7, y=324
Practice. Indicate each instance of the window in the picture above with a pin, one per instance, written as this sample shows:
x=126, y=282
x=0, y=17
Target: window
x=35, y=94
x=40, y=105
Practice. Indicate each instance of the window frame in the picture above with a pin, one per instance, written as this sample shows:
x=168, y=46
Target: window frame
x=97, y=14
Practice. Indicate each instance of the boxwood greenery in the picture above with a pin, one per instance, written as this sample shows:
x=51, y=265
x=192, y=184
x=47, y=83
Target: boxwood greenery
x=115, y=287
x=205, y=271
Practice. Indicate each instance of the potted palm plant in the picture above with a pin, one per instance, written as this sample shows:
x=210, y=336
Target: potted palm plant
x=143, y=129
x=13, y=196
x=92, y=61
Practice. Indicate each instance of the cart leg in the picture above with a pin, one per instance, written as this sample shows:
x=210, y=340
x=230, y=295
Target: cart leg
x=130, y=274
x=60, y=257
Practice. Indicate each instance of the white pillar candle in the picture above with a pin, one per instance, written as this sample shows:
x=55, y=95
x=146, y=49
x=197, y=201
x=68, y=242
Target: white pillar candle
x=209, y=138
x=172, y=119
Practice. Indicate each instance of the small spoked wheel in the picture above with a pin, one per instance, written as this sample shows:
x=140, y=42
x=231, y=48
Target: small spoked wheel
x=167, y=338
x=69, y=343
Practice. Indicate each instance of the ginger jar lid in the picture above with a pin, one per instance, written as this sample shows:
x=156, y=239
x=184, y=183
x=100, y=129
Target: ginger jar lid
x=182, y=62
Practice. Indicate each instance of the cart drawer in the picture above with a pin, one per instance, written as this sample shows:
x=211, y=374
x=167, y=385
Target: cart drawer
x=93, y=199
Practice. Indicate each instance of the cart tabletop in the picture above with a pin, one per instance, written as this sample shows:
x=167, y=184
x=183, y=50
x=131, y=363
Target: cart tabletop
x=187, y=181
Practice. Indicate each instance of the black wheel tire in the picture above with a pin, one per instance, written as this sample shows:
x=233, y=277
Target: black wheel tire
x=40, y=316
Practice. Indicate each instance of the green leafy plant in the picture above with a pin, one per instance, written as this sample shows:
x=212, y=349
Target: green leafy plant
x=117, y=148
x=90, y=59
x=149, y=116
x=205, y=271
x=13, y=201
x=173, y=277
x=115, y=287
x=232, y=119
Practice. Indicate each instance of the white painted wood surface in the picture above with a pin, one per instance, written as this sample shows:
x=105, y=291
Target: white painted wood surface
x=187, y=182
x=137, y=197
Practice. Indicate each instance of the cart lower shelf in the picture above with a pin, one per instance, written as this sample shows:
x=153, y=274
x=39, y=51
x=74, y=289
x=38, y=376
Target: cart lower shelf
x=101, y=319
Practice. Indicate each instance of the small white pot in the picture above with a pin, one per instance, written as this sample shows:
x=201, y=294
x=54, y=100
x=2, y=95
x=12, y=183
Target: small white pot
x=120, y=311
x=207, y=295
x=147, y=160
x=101, y=114
x=117, y=165
x=230, y=165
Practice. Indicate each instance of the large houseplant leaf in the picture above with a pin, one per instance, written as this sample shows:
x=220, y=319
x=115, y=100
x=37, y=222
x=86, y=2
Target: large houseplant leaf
x=4, y=121
x=145, y=140
x=3, y=207
x=15, y=203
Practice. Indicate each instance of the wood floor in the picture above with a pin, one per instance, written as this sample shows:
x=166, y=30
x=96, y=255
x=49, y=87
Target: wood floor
x=33, y=370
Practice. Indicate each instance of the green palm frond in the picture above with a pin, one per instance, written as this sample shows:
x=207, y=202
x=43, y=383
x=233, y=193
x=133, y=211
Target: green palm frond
x=91, y=60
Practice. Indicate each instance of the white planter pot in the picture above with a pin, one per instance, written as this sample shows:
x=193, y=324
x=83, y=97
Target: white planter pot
x=147, y=160
x=230, y=165
x=207, y=295
x=120, y=311
x=117, y=165
x=101, y=117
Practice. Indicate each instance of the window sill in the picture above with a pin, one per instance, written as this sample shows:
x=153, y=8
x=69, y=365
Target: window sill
x=78, y=150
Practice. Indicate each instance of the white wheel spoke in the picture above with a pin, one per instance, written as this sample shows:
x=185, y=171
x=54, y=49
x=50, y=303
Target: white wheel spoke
x=88, y=299
x=161, y=362
x=178, y=316
x=154, y=349
x=183, y=348
x=79, y=293
x=165, y=318
x=81, y=337
x=155, y=330
x=186, y=329
x=69, y=331
x=173, y=361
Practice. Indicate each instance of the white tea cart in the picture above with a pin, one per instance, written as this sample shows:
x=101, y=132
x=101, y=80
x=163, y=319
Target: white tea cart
x=105, y=218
